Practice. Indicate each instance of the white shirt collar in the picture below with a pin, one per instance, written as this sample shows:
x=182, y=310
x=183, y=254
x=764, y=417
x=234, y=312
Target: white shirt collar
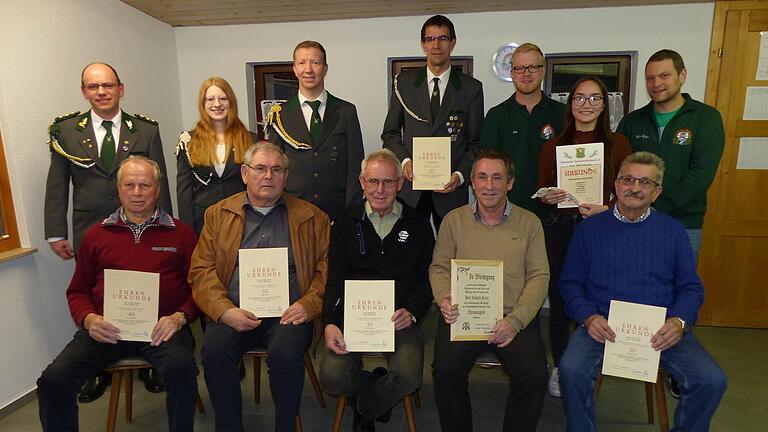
x=323, y=98
x=443, y=76
x=97, y=119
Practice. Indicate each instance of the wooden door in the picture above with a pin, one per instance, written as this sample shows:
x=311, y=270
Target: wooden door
x=734, y=259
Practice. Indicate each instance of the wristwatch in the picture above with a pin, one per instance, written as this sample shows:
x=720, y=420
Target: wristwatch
x=683, y=324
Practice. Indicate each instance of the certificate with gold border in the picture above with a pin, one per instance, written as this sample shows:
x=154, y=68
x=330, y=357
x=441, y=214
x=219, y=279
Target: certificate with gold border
x=368, y=309
x=632, y=356
x=580, y=172
x=431, y=162
x=131, y=302
x=264, y=281
x=477, y=286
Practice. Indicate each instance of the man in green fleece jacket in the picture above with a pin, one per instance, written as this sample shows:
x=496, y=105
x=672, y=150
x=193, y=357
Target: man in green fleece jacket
x=686, y=133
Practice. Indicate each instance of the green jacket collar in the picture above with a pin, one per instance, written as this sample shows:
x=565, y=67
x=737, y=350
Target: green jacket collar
x=293, y=103
x=454, y=79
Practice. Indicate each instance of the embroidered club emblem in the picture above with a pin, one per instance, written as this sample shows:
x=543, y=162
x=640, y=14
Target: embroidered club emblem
x=683, y=137
x=402, y=236
x=547, y=131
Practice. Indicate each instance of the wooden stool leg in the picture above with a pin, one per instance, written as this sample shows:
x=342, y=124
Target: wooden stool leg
x=128, y=374
x=114, y=399
x=313, y=378
x=200, y=405
x=649, y=401
x=661, y=399
x=598, y=384
x=298, y=423
x=257, y=379
x=341, y=404
x=409, y=414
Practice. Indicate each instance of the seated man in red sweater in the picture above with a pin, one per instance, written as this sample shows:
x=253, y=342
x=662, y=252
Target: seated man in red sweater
x=138, y=236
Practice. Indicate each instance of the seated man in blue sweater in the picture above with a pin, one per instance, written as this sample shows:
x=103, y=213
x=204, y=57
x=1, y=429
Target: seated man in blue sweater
x=637, y=255
x=379, y=238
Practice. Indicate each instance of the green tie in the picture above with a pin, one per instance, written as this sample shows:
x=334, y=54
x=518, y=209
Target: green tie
x=108, y=146
x=315, y=124
x=434, y=103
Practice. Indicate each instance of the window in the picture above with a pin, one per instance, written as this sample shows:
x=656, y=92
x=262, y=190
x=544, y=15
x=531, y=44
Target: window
x=399, y=64
x=9, y=233
x=615, y=69
x=268, y=81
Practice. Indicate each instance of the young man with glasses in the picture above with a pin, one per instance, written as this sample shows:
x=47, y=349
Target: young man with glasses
x=435, y=101
x=86, y=151
x=634, y=254
x=523, y=123
x=381, y=238
x=261, y=217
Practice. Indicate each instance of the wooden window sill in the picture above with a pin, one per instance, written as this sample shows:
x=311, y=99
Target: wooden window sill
x=16, y=253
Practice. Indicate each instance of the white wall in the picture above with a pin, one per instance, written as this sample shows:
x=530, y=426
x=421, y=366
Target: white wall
x=358, y=49
x=43, y=48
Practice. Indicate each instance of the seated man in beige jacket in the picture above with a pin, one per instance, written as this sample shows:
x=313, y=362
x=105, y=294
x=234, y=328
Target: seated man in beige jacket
x=492, y=229
x=261, y=217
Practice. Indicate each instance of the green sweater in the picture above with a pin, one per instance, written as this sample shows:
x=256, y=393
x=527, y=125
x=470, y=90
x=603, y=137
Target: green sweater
x=510, y=127
x=691, y=146
x=518, y=241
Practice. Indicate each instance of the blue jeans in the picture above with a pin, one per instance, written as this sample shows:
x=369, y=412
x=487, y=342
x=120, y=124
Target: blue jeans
x=344, y=375
x=694, y=236
x=701, y=381
x=223, y=347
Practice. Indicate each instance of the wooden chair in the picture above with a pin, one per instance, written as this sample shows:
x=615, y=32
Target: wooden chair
x=409, y=402
x=258, y=353
x=123, y=370
x=649, y=387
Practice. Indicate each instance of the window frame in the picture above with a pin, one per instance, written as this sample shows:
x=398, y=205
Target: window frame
x=11, y=239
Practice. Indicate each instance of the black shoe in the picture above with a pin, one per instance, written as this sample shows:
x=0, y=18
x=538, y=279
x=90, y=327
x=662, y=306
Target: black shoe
x=360, y=423
x=384, y=418
x=152, y=381
x=94, y=387
x=674, y=388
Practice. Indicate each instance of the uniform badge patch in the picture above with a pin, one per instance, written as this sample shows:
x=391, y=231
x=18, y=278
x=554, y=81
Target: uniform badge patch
x=683, y=137
x=402, y=236
x=547, y=131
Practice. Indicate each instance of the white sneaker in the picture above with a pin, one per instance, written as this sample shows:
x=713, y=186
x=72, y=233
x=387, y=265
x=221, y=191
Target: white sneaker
x=554, y=383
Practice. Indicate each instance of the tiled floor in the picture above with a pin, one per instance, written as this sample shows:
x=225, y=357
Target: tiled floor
x=742, y=353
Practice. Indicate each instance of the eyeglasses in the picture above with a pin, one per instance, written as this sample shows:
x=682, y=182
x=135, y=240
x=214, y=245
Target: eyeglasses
x=530, y=68
x=261, y=170
x=594, y=100
x=106, y=86
x=212, y=99
x=441, y=38
x=645, y=182
x=374, y=183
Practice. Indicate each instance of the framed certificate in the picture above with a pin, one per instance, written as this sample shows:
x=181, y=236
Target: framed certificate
x=431, y=162
x=368, y=309
x=632, y=356
x=477, y=286
x=131, y=302
x=264, y=281
x=580, y=172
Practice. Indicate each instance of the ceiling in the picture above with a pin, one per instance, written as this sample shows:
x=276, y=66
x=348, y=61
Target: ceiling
x=183, y=13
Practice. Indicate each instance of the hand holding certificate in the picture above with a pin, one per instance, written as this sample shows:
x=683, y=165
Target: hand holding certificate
x=580, y=172
x=131, y=302
x=264, y=281
x=477, y=286
x=431, y=162
x=631, y=355
x=368, y=309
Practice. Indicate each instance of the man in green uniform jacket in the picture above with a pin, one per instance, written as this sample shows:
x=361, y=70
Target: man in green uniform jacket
x=523, y=123
x=686, y=133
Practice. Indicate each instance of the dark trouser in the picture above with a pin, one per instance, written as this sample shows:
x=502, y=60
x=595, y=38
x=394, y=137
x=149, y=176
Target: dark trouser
x=84, y=357
x=344, y=375
x=558, y=230
x=524, y=362
x=426, y=206
x=223, y=347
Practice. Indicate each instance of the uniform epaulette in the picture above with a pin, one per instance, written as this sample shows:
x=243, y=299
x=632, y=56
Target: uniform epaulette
x=274, y=121
x=145, y=118
x=66, y=116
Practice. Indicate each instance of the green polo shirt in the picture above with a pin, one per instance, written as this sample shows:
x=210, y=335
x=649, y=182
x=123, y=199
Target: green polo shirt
x=511, y=128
